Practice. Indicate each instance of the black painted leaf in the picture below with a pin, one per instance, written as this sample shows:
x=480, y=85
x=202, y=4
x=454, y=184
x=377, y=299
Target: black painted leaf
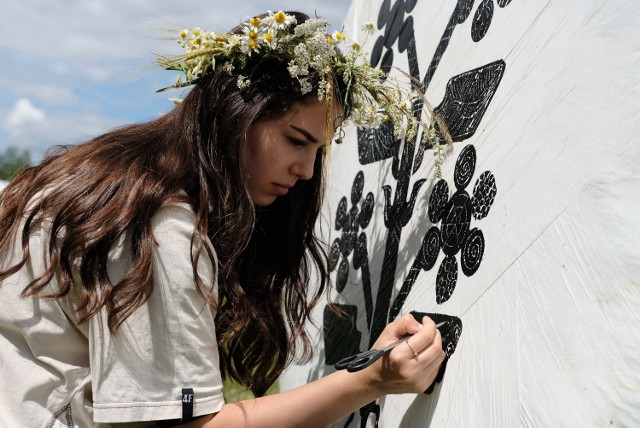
x=389, y=210
x=406, y=34
x=463, y=10
x=383, y=14
x=395, y=164
x=343, y=275
x=334, y=254
x=376, y=52
x=409, y=5
x=418, y=159
x=503, y=3
x=367, y=211
x=446, y=279
x=438, y=201
x=360, y=254
x=482, y=20
x=467, y=97
x=341, y=213
x=407, y=207
x=358, y=186
x=387, y=61
x=394, y=24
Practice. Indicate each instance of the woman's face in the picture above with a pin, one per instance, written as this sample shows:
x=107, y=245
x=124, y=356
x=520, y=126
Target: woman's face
x=280, y=151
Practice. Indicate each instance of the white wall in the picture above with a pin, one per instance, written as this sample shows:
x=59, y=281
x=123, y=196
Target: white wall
x=551, y=331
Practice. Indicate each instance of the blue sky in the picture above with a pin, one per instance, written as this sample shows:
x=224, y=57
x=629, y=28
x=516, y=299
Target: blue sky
x=73, y=69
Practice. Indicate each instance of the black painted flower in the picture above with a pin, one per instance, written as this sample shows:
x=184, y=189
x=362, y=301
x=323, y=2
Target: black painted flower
x=350, y=223
x=454, y=215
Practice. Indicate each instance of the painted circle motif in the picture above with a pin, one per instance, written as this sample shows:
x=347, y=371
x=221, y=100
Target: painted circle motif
x=455, y=225
x=446, y=280
x=430, y=248
x=472, y=252
x=465, y=167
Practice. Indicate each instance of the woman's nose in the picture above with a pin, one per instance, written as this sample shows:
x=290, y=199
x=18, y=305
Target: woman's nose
x=303, y=167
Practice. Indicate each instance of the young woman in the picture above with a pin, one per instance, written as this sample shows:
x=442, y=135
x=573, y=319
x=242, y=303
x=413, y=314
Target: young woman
x=140, y=268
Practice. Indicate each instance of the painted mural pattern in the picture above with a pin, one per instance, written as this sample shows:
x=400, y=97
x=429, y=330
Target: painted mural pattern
x=465, y=102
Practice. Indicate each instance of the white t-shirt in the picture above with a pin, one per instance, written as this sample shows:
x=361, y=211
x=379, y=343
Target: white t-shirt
x=54, y=373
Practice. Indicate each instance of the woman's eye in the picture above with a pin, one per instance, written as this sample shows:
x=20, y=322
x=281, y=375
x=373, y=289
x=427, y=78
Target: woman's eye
x=296, y=142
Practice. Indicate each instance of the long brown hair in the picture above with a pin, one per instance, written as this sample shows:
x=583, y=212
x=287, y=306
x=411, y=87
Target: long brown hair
x=114, y=184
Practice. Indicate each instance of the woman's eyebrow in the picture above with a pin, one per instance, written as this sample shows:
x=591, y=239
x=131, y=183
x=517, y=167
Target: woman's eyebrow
x=305, y=133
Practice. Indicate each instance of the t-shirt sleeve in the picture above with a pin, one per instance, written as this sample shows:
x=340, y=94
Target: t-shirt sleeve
x=165, y=346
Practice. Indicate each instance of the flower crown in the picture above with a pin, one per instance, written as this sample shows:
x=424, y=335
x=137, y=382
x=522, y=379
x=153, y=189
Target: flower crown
x=372, y=97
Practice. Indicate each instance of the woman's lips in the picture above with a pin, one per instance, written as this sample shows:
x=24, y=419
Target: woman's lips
x=281, y=189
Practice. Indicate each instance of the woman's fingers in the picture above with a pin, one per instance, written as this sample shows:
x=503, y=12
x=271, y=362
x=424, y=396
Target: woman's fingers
x=433, y=352
x=415, y=353
x=422, y=339
x=411, y=366
x=399, y=328
x=435, y=356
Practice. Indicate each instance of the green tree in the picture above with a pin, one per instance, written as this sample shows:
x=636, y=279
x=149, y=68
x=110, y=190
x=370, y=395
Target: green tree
x=12, y=160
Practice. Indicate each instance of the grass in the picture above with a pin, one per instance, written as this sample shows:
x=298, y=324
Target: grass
x=234, y=392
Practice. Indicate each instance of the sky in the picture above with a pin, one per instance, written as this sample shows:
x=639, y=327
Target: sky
x=73, y=69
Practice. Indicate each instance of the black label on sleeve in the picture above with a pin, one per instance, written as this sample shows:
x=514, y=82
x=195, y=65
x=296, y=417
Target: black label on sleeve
x=187, y=404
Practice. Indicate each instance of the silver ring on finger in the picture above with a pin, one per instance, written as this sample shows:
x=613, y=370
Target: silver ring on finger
x=415, y=354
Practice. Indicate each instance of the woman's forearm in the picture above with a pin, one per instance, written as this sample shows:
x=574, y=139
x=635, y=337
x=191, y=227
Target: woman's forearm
x=315, y=404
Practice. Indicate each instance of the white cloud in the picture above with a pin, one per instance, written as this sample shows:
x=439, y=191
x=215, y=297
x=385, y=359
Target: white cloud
x=77, y=31
x=67, y=127
x=74, y=68
x=23, y=114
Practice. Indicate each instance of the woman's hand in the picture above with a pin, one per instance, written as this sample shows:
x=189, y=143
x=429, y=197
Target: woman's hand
x=334, y=396
x=400, y=370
